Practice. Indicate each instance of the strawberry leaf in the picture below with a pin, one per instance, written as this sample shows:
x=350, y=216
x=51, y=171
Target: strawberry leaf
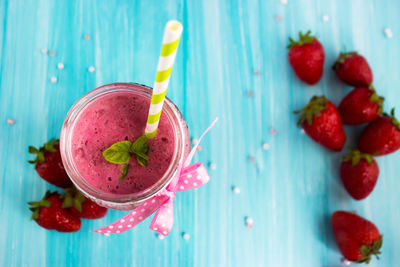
x=303, y=39
x=312, y=109
x=378, y=100
x=355, y=156
x=342, y=58
x=72, y=198
x=36, y=205
x=368, y=250
x=47, y=147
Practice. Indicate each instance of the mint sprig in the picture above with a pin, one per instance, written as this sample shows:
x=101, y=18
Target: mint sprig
x=121, y=153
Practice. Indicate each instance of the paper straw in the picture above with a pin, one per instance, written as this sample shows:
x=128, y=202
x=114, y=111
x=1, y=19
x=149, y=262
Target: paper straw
x=172, y=35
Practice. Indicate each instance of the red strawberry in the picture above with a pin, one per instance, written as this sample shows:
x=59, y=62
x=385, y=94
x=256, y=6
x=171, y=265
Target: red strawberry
x=381, y=137
x=321, y=121
x=353, y=69
x=49, y=214
x=360, y=105
x=80, y=206
x=48, y=164
x=359, y=173
x=306, y=56
x=357, y=238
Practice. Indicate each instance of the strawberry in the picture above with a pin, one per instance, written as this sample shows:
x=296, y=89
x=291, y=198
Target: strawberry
x=360, y=106
x=357, y=238
x=80, y=206
x=48, y=164
x=359, y=173
x=353, y=69
x=49, y=214
x=306, y=56
x=321, y=121
x=381, y=137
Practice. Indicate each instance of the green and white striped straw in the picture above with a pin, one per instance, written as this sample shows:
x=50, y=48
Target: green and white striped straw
x=172, y=35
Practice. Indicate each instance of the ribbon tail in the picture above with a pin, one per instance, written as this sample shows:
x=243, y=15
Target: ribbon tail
x=134, y=217
x=163, y=220
x=191, y=154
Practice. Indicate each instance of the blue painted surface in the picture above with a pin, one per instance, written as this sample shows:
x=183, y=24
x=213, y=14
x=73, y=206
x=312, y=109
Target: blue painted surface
x=289, y=191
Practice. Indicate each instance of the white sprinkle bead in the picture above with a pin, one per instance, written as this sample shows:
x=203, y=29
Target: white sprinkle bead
x=256, y=72
x=91, y=69
x=284, y=2
x=52, y=53
x=302, y=131
x=43, y=50
x=345, y=262
x=106, y=234
x=185, y=236
x=388, y=32
x=87, y=37
x=266, y=146
x=160, y=236
x=212, y=165
x=272, y=132
x=10, y=121
x=53, y=79
x=60, y=66
x=236, y=190
x=249, y=93
x=251, y=159
x=249, y=222
x=325, y=18
x=278, y=18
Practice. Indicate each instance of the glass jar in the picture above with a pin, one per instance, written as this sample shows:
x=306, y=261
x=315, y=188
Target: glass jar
x=123, y=201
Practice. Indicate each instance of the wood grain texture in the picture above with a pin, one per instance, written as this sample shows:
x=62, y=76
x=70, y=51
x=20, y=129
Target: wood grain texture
x=289, y=191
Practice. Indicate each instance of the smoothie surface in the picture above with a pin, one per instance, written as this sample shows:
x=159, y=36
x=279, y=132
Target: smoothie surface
x=112, y=118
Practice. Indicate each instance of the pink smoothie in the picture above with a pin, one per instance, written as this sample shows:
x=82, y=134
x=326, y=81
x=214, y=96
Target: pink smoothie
x=112, y=118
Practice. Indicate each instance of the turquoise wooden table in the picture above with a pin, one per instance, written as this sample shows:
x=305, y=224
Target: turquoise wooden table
x=232, y=63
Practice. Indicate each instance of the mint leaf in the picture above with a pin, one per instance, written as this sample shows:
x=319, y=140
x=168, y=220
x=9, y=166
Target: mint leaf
x=141, y=161
x=142, y=155
x=140, y=145
x=124, y=171
x=140, y=148
x=118, y=153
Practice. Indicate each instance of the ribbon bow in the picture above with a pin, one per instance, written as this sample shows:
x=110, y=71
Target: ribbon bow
x=190, y=177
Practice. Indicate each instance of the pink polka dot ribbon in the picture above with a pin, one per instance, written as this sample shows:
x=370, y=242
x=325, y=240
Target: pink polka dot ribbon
x=190, y=177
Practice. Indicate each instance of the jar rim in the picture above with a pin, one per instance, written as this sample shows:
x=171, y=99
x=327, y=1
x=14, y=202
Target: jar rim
x=121, y=201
